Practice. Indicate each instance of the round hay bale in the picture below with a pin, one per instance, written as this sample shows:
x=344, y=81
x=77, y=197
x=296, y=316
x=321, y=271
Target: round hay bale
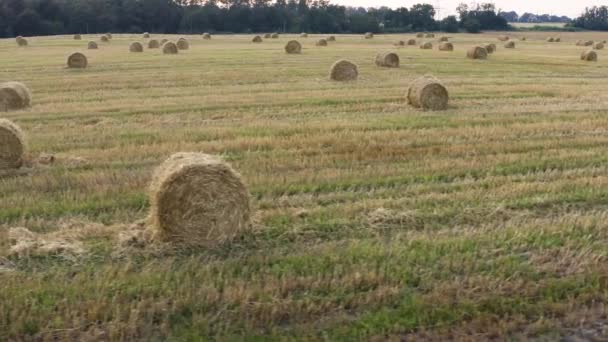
x=387, y=60
x=197, y=200
x=293, y=47
x=104, y=38
x=153, y=44
x=412, y=42
x=588, y=43
x=303, y=35
x=12, y=145
x=490, y=48
x=430, y=35
x=331, y=39
x=257, y=39
x=550, y=40
x=446, y=46
x=163, y=41
x=343, y=70
x=77, y=60
x=400, y=43
x=477, y=52
x=14, y=95
x=369, y=35
x=136, y=47
x=444, y=39
x=109, y=35
x=589, y=56
x=503, y=38
x=274, y=35
x=183, y=44
x=558, y=39
x=523, y=39
x=510, y=45
x=267, y=36
x=146, y=35
x=21, y=41
x=428, y=93
x=169, y=48
x=206, y=36
x=598, y=46
x=426, y=45
x=321, y=42
x=92, y=45
x=77, y=37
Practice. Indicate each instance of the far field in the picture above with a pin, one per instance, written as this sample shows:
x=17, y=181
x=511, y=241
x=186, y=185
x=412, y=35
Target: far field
x=373, y=219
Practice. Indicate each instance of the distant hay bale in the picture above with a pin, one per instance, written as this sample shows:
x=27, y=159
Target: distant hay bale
x=183, y=44
x=428, y=93
x=550, y=40
x=558, y=39
x=14, y=95
x=104, y=38
x=444, y=39
x=153, y=44
x=446, y=46
x=77, y=60
x=426, y=45
x=387, y=60
x=510, y=45
x=585, y=43
x=146, y=35
x=400, y=43
x=109, y=35
x=163, y=41
x=136, y=47
x=77, y=37
x=303, y=35
x=274, y=36
x=206, y=36
x=490, y=48
x=257, y=39
x=21, y=41
x=267, y=36
x=369, y=35
x=523, y=39
x=321, y=42
x=477, y=52
x=343, y=70
x=92, y=45
x=589, y=56
x=503, y=38
x=598, y=46
x=169, y=48
x=293, y=47
x=419, y=35
x=12, y=145
x=429, y=35
x=331, y=39
x=197, y=200
x=411, y=42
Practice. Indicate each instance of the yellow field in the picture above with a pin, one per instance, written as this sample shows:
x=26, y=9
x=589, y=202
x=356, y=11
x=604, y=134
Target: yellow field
x=372, y=219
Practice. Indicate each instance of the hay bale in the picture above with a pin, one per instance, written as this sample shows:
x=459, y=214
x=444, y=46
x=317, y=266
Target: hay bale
x=369, y=35
x=163, y=41
x=477, y=52
x=503, y=38
x=430, y=35
x=92, y=45
x=21, y=41
x=343, y=70
x=598, y=46
x=510, y=45
x=387, y=60
x=446, y=46
x=12, y=145
x=419, y=35
x=400, y=43
x=14, y=95
x=170, y=48
x=77, y=60
x=331, y=39
x=257, y=39
x=109, y=35
x=444, y=39
x=558, y=39
x=206, y=36
x=523, y=39
x=426, y=45
x=293, y=47
x=153, y=44
x=321, y=42
x=146, y=35
x=182, y=44
x=136, y=47
x=412, y=42
x=589, y=56
x=267, y=36
x=550, y=40
x=490, y=48
x=77, y=37
x=104, y=38
x=197, y=200
x=428, y=93
x=585, y=43
x=303, y=35
x=274, y=35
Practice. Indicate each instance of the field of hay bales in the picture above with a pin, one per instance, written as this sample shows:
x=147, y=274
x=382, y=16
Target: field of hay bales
x=371, y=219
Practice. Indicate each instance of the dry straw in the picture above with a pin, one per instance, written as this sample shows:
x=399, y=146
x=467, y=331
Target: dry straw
x=446, y=46
x=14, y=95
x=136, y=47
x=77, y=60
x=169, y=48
x=419, y=35
x=510, y=45
x=92, y=45
x=426, y=45
x=369, y=35
x=21, y=41
x=343, y=70
x=598, y=46
x=153, y=44
x=257, y=39
x=477, y=52
x=411, y=42
x=387, y=60
x=321, y=42
x=197, y=200
x=183, y=44
x=77, y=37
x=104, y=38
x=12, y=145
x=146, y=35
x=589, y=56
x=331, y=39
x=206, y=36
x=293, y=47
x=428, y=93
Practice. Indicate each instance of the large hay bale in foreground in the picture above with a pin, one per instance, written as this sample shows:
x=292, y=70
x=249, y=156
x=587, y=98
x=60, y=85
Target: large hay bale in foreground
x=589, y=56
x=510, y=45
x=293, y=47
x=77, y=60
x=257, y=39
x=14, y=95
x=92, y=45
x=477, y=52
x=12, y=145
x=598, y=46
x=183, y=44
x=428, y=93
x=206, y=36
x=446, y=46
x=369, y=35
x=321, y=42
x=412, y=42
x=331, y=39
x=387, y=60
x=426, y=45
x=343, y=70
x=169, y=48
x=21, y=41
x=146, y=35
x=197, y=200
x=153, y=44
x=274, y=36
x=77, y=37
x=136, y=47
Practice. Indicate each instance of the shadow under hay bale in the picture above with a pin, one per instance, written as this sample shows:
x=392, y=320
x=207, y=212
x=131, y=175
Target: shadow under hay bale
x=477, y=52
x=12, y=145
x=343, y=70
x=14, y=96
x=428, y=93
x=293, y=47
x=136, y=47
x=387, y=60
x=77, y=60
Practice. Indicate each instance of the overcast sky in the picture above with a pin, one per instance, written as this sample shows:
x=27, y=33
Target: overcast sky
x=571, y=8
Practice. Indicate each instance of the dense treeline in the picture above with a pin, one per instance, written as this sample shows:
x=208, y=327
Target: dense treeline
x=594, y=18
x=47, y=17
x=514, y=17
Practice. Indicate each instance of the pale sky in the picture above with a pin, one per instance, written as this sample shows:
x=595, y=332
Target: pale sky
x=571, y=8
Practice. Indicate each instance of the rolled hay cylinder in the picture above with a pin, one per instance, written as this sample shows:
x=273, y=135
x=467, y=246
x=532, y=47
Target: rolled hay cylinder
x=477, y=52
x=136, y=47
x=321, y=42
x=163, y=41
x=267, y=36
x=426, y=45
x=109, y=35
x=21, y=41
x=598, y=46
x=490, y=48
x=503, y=38
x=428, y=93
x=77, y=37
x=274, y=36
x=343, y=70
x=510, y=45
x=104, y=38
x=550, y=40
x=387, y=60
x=558, y=39
x=411, y=42
x=92, y=45
x=446, y=46
x=430, y=35
x=589, y=56
x=368, y=35
x=303, y=35
x=419, y=35
x=198, y=200
x=153, y=44
x=182, y=44
x=400, y=43
x=170, y=48
x=444, y=39
x=257, y=39
x=12, y=145
x=77, y=60
x=331, y=39
x=523, y=39
x=146, y=35
x=588, y=43
x=293, y=47
x=14, y=96
x=206, y=36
